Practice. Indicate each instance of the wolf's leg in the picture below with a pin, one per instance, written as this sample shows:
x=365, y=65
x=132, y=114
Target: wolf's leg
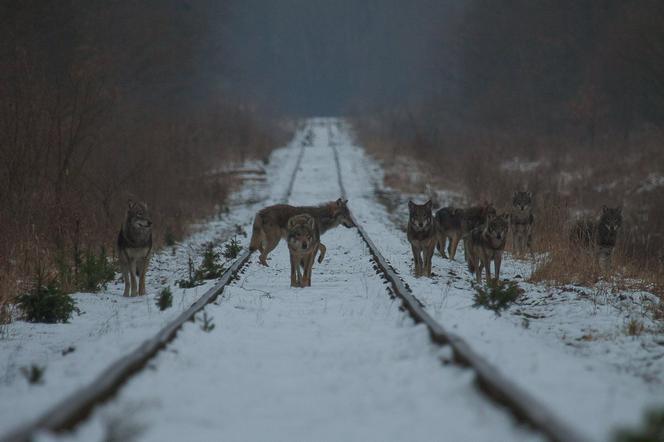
x=272, y=238
x=132, y=276
x=440, y=245
x=427, y=259
x=127, y=281
x=144, y=269
x=293, y=270
x=454, y=243
x=309, y=263
x=486, y=262
x=301, y=268
x=478, y=270
x=418, y=260
x=497, y=261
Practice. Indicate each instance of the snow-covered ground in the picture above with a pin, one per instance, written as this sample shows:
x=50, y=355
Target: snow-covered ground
x=339, y=360
x=110, y=325
x=566, y=346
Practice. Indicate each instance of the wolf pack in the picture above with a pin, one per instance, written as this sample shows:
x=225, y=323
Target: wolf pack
x=484, y=233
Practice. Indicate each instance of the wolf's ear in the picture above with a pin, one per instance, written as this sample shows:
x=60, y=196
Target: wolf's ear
x=345, y=202
x=311, y=222
x=130, y=203
x=428, y=205
x=411, y=206
x=291, y=223
x=340, y=202
x=530, y=194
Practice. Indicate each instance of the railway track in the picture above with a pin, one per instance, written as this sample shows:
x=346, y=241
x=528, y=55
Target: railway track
x=75, y=408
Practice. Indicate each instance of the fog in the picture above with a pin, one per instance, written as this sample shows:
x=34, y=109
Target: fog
x=324, y=57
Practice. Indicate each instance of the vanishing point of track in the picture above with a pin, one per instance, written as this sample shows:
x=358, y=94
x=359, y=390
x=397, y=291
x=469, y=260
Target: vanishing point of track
x=75, y=408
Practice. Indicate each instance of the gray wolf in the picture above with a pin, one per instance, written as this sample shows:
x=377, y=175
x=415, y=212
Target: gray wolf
x=422, y=236
x=600, y=234
x=521, y=221
x=485, y=244
x=303, y=241
x=271, y=223
x=472, y=218
x=134, y=247
x=448, y=226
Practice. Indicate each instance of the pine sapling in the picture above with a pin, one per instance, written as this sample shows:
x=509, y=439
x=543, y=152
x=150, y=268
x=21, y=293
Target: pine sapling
x=33, y=374
x=165, y=299
x=207, y=325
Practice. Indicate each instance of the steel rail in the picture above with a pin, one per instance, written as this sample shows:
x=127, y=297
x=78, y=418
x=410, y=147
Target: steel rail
x=488, y=377
x=77, y=406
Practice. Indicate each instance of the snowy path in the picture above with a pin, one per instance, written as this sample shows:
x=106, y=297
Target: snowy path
x=337, y=361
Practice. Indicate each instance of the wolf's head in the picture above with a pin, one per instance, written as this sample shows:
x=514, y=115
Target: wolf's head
x=138, y=216
x=340, y=213
x=420, y=215
x=611, y=219
x=301, y=232
x=522, y=201
x=496, y=227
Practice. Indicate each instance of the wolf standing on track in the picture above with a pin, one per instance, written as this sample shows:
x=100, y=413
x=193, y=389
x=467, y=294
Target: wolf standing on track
x=271, y=223
x=485, y=244
x=422, y=236
x=303, y=243
x=448, y=226
x=134, y=247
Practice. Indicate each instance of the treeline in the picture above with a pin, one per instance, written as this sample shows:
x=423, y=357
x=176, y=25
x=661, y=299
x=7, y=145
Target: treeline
x=101, y=101
x=588, y=72
x=573, y=90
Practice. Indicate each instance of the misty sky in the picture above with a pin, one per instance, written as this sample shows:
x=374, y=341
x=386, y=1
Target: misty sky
x=322, y=57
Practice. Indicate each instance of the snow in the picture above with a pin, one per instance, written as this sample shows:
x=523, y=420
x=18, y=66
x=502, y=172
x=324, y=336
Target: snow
x=566, y=346
x=111, y=325
x=338, y=360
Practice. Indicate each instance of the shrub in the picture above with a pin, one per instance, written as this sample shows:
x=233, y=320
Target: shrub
x=652, y=429
x=192, y=277
x=207, y=325
x=232, y=249
x=210, y=268
x=496, y=295
x=46, y=303
x=33, y=374
x=95, y=271
x=165, y=299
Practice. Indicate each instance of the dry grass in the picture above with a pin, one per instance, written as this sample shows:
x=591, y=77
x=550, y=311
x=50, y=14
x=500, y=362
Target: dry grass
x=568, y=182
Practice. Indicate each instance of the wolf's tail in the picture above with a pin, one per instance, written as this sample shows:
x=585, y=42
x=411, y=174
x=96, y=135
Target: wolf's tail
x=256, y=233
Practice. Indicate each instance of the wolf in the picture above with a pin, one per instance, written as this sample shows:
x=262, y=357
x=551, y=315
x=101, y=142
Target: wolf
x=521, y=221
x=448, y=226
x=303, y=241
x=485, y=244
x=134, y=247
x=271, y=223
x=472, y=218
x=600, y=234
x=422, y=236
